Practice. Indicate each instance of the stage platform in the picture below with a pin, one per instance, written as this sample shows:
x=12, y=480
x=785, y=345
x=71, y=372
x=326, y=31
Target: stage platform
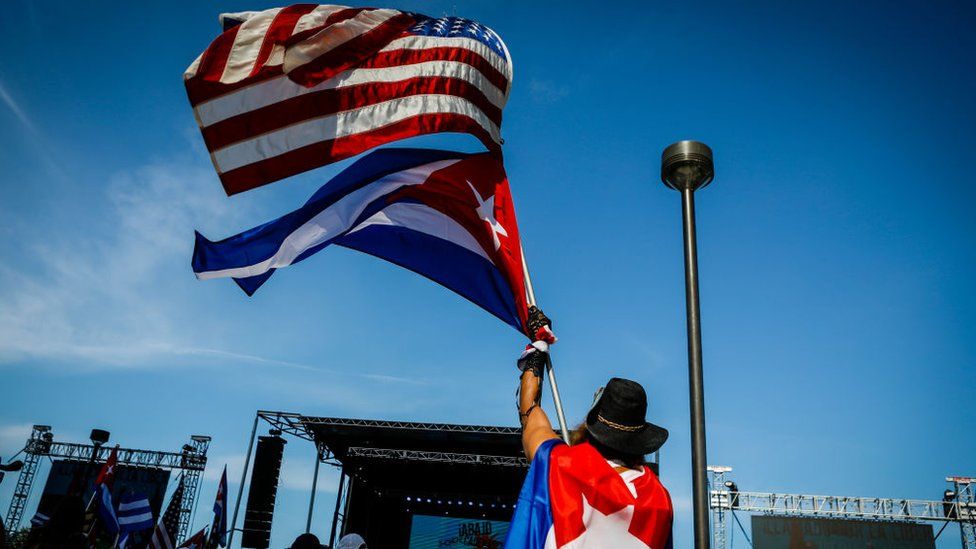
x=408, y=484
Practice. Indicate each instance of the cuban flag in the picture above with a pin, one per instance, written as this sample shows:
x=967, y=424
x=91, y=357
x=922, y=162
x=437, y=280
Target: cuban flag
x=135, y=514
x=574, y=499
x=446, y=215
x=218, y=530
x=106, y=509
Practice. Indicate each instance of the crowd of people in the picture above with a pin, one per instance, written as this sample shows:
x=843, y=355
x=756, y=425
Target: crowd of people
x=64, y=530
x=311, y=541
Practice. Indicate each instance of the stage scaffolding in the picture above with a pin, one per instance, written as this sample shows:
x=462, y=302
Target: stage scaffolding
x=394, y=442
x=957, y=506
x=192, y=460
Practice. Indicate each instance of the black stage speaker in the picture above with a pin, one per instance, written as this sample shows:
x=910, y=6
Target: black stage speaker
x=261, y=495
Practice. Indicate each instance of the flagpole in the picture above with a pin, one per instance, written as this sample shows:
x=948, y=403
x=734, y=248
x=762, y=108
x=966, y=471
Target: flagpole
x=315, y=482
x=240, y=489
x=530, y=294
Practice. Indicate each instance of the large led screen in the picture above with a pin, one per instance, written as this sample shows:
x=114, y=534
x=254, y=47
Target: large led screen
x=429, y=532
x=770, y=532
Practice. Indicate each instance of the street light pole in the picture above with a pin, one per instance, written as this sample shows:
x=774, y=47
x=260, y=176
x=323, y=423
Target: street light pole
x=686, y=166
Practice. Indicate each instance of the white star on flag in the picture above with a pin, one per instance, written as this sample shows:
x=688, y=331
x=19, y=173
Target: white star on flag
x=486, y=211
x=605, y=531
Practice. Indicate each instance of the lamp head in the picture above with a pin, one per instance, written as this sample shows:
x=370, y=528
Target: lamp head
x=687, y=165
x=99, y=436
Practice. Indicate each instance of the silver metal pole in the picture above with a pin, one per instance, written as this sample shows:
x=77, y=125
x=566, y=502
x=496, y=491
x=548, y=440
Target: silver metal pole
x=315, y=482
x=699, y=479
x=240, y=489
x=687, y=166
x=557, y=401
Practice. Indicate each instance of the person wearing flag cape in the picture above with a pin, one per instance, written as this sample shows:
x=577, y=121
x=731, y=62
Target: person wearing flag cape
x=595, y=492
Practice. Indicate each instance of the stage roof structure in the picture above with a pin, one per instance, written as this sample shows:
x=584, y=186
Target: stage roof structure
x=392, y=470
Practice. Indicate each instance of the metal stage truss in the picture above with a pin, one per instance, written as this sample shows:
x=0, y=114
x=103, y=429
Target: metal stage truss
x=191, y=460
x=362, y=449
x=440, y=457
x=958, y=505
x=300, y=426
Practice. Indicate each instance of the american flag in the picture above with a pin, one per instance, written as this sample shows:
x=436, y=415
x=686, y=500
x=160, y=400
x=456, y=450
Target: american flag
x=164, y=536
x=196, y=541
x=295, y=88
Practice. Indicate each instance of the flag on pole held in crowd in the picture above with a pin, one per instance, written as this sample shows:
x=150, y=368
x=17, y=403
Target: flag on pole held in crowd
x=135, y=515
x=196, y=541
x=446, y=215
x=218, y=529
x=106, y=509
x=106, y=475
x=101, y=507
x=286, y=90
x=164, y=536
x=39, y=519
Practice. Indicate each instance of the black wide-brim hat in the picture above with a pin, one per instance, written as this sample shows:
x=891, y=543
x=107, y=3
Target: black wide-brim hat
x=618, y=419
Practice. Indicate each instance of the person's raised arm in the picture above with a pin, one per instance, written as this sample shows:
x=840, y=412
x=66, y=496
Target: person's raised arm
x=536, y=427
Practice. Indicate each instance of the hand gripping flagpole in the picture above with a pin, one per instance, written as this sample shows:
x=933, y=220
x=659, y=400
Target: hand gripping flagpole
x=530, y=295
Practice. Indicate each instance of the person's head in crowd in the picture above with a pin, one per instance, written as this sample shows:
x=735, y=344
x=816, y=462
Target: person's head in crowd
x=351, y=541
x=306, y=541
x=65, y=528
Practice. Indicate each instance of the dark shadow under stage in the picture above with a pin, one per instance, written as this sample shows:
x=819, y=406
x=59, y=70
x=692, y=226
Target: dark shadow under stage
x=404, y=484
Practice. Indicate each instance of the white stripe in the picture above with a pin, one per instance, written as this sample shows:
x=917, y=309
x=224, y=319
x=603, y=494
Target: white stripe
x=334, y=36
x=424, y=219
x=316, y=17
x=161, y=539
x=137, y=504
x=191, y=71
x=281, y=88
x=247, y=44
x=501, y=64
x=133, y=519
x=346, y=123
x=332, y=221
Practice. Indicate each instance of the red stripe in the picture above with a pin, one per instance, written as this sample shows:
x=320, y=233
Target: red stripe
x=325, y=152
x=342, y=15
x=200, y=90
x=351, y=53
x=279, y=31
x=328, y=102
x=214, y=58
x=400, y=57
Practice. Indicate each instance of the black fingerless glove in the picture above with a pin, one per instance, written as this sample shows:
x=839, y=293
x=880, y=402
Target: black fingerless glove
x=534, y=360
x=537, y=319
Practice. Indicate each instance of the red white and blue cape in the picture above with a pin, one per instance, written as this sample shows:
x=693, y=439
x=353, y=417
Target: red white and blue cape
x=574, y=499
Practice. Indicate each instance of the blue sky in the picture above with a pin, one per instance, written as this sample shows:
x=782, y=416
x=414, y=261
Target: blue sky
x=838, y=245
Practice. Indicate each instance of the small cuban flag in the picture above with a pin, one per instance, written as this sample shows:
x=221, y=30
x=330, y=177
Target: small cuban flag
x=106, y=509
x=134, y=515
x=218, y=530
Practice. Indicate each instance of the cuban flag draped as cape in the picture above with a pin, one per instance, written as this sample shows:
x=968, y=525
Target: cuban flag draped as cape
x=446, y=215
x=574, y=499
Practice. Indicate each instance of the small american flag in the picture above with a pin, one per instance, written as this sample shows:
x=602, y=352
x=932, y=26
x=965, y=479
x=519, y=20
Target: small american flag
x=291, y=89
x=164, y=536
